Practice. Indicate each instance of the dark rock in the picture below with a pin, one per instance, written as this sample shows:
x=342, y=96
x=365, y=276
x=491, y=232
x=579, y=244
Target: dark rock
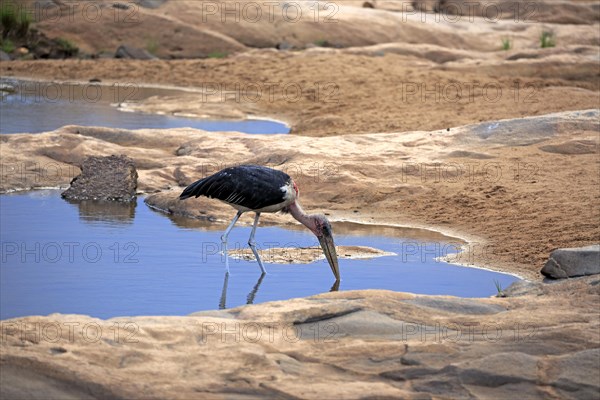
x=56, y=48
x=134, y=53
x=520, y=56
x=150, y=3
x=121, y=6
x=565, y=263
x=58, y=350
x=284, y=46
x=4, y=56
x=111, y=178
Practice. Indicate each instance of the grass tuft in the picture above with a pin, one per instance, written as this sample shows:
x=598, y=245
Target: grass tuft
x=14, y=20
x=67, y=46
x=499, y=289
x=7, y=46
x=547, y=39
x=152, y=46
x=217, y=54
x=322, y=43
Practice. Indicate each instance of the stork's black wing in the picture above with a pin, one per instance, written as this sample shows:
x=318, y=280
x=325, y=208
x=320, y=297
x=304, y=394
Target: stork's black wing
x=250, y=186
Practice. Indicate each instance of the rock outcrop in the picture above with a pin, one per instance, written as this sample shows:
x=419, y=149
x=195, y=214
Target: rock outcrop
x=346, y=345
x=226, y=27
x=112, y=178
x=567, y=263
x=306, y=255
x=133, y=53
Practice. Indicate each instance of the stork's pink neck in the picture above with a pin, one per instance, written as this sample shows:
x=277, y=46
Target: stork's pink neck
x=302, y=217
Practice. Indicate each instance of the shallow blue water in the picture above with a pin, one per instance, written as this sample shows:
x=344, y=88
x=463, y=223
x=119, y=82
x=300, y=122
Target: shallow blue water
x=41, y=107
x=112, y=260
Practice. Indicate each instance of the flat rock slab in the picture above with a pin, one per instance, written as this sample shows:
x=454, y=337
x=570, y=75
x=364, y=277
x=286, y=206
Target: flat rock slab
x=348, y=345
x=566, y=263
x=306, y=255
x=112, y=178
x=456, y=305
x=367, y=324
x=532, y=130
x=34, y=386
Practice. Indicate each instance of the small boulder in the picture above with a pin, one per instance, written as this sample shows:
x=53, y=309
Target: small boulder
x=133, y=53
x=284, y=46
x=112, y=178
x=566, y=263
x=150, y=3
x=4, y=56
x=121, y=6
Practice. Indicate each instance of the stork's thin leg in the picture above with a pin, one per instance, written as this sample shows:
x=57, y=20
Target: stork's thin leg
x=224, y=239
x=252, y=244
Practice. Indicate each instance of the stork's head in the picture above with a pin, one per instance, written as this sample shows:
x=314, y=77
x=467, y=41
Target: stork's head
x=322, y=230
x=320, y=226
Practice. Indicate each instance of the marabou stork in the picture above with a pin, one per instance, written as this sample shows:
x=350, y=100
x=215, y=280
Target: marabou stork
x=261, y=189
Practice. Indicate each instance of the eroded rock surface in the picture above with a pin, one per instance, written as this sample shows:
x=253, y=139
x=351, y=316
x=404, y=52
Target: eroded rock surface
x=305, y=255
x=347, y=345
x=112, y=178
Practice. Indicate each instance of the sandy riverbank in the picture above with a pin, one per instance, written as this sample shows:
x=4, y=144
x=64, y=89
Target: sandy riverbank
x=424, y=124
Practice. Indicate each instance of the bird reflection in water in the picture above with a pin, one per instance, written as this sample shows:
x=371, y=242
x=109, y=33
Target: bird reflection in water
x=254, y=291
x=249, y=298
x=252, y=294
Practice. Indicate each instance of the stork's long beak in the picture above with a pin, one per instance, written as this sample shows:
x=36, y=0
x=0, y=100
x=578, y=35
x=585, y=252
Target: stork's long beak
x=329, y=250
